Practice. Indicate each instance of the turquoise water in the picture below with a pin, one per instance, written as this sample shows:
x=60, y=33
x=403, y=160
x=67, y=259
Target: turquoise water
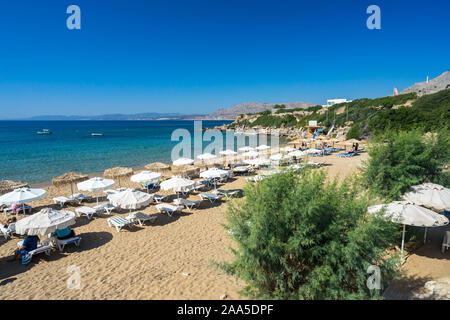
x=37, y=159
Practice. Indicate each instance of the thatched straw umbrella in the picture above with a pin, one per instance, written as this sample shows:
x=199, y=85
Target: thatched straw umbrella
x=186, y=171
x=117, y=172
x=70, y=177
x=10, y=185
x=160, y=167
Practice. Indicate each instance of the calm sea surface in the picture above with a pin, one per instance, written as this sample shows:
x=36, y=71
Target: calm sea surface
x=36, y=159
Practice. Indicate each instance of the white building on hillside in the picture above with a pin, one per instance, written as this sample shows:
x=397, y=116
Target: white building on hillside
x=331, y=102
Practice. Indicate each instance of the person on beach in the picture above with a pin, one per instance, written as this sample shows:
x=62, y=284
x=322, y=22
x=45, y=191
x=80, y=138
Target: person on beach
x=65, y=233
x=29, y=244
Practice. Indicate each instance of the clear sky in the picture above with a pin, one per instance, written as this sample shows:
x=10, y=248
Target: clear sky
x=197, y=56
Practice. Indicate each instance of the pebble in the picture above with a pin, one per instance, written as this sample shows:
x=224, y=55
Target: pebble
x=223, y=297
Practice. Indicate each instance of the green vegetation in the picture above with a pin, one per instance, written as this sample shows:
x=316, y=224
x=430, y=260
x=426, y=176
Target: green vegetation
x=399, y=160
x=279, y=106
x=372, y=117
x=266, y=120
x=301, y=237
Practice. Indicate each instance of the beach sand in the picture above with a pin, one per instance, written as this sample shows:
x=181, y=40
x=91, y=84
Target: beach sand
x=169, y=259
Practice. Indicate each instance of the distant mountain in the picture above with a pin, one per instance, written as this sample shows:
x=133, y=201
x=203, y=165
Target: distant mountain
x=434, y=85
x=252, y=107
x=118, y=116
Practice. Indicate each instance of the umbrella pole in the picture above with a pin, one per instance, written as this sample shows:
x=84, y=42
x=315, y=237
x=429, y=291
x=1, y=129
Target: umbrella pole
x=403, y=243
x=71, y=188
x=425, y=235
x=23, y=207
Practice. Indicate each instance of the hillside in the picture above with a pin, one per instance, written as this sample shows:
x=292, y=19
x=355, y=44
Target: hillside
x=232, y=112
x=434, y=85
x=361, y=118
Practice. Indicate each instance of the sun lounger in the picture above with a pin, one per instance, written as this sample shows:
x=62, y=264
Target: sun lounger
x=158, y=198
x=63, y=200
x=227, y=193
x=8, y=231
x=110, y=191
x=43, y=247
x=168, y=208
x=61, y=243
x=446, y=241
x=346, y=155
x=141, y=217
x=187, y=203
x=209, y=196
x=104, y=207
x=87, y=211
x=119, y=223
x=80, y=197
x=20, y=209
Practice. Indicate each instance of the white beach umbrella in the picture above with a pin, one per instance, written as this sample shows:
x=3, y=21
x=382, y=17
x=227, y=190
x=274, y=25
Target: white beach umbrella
x=183, y=162
x=177, y=184
x=430, y=195
x=95, y=184
x=214, y=173
x=246, y=149
x=278, y=157
x=250, y=154
x=313, y=150
x=258, y=162
x=206, y=156
x=45, y=222
x=297, y=153
x=130, y=199
x=228, y=152
x=262, y=147
x=287, y=149
x=145, y=176
x=409, y=214
x=22, y=195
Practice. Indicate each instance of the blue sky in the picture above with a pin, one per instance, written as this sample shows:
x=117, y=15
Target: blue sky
x=197, y=56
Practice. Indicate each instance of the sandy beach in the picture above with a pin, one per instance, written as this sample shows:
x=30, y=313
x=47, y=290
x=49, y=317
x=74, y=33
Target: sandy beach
x=169, y=259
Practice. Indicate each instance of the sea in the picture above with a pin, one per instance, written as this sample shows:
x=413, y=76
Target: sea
x=36, y=159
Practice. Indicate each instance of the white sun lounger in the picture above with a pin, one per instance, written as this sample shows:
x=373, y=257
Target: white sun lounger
x=105, y=207
x=141, y=217
x=87, y=211
x=158, y=198
x=119, y=222
x=187, y=203
x=227, y=193
x=61, y=243
x=63, y=200
x=19, y=210
x=211, y=197
x=446, y=241
x=9, y=230
x=43, y=247
x=80, y=197
x=168, y=208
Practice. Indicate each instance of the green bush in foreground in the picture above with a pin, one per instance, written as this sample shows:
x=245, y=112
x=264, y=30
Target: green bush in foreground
x=300, y=237
x=399, y=160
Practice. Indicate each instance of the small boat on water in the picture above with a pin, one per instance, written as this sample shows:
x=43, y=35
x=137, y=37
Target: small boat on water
x=44, y=132
x=96, y=134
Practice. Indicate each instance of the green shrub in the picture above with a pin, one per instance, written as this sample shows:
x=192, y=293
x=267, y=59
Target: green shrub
x=399, y=160
x=301, y=237
x=353, y=133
